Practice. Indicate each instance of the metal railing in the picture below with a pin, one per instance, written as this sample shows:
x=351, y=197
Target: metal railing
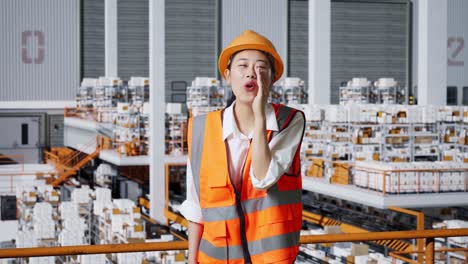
x=428, y=251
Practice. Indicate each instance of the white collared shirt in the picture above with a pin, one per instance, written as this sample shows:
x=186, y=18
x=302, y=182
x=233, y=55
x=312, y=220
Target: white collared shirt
x=283, y=148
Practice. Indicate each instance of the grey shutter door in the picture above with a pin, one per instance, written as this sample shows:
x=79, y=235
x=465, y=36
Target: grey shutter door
x=298, y=39
x=133, y=38
x=190, y=41
x=92, y=38
x=368, y=40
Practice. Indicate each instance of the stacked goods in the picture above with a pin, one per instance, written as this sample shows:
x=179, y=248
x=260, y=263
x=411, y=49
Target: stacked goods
x=389, y=92
x=316, y=169
x=118, y=218
x=130, y=258
x=103, y=202
x=85, y=98
x=42, y=260
x=26, y=239
x=44, y=225
x=122, y=112
x=313, y=145
x=103, y=174
x=138, y=92
x=26, y=194
x=205, y=95
x=126, y=133
x=73, y=226
x=91, y=259
x=81, y=195
x=293, y=91
x=362, y=91
x=108, y=92
x=48, y=193
x=411, y=177
x=392, y=133
x=357, y=91
x=73, y=232
x=341, y=173
x=276, y=95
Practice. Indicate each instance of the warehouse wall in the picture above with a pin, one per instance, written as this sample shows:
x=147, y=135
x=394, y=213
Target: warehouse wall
x=457, y=52
x=39, y=50
x=267, y=17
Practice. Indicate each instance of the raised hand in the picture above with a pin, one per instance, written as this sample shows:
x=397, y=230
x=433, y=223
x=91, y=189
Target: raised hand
x=258, y=105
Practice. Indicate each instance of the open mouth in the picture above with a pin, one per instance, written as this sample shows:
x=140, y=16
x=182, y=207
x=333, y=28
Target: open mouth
x=250, y=86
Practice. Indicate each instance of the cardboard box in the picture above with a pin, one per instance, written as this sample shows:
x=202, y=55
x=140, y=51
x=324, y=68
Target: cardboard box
x=331, y=230
x=359, y=249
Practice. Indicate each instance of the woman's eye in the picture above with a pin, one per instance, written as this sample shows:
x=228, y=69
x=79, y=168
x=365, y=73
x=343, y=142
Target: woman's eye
x=242, y=65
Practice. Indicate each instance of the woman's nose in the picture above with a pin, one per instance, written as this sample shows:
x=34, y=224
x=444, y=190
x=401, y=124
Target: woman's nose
x=251, y=72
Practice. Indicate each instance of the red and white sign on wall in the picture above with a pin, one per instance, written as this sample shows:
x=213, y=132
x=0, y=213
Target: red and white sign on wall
x=31, y=39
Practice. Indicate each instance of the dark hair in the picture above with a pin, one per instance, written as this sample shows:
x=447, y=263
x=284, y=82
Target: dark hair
x=272, y=66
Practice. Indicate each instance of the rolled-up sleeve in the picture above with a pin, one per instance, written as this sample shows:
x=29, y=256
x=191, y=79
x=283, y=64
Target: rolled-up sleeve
x=190, y=208
x=283, y=148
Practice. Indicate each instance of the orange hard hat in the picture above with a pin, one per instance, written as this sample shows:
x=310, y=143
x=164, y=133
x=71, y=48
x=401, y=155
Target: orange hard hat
x=250, y=40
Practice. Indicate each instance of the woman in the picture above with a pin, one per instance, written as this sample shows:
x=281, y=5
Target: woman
x=243, y=174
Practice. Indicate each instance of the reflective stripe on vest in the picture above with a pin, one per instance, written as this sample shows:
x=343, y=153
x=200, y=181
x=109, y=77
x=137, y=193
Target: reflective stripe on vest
x=251, y=206
x=255, y=247
x=198, y=130
x=221, y=218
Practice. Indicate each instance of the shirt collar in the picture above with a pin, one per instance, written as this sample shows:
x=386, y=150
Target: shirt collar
x=230, y=126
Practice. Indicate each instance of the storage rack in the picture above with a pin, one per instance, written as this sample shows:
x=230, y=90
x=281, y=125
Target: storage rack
x=396, y=143
x=394, y=133
x=176, y=127
x=127, y=130
x=425, y=138
x=313, y=149
x=138, y=92
x=84, y=97
x=144, y=130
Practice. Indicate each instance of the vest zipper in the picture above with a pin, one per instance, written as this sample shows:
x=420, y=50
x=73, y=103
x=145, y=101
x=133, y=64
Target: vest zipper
x=240, y=211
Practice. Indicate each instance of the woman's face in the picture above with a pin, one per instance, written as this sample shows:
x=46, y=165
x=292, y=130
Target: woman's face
x=243, y=74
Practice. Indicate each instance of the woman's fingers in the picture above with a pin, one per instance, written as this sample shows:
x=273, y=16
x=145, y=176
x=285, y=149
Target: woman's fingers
x=261, y=81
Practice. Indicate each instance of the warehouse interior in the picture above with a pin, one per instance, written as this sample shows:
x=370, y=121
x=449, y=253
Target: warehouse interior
x=97, y=94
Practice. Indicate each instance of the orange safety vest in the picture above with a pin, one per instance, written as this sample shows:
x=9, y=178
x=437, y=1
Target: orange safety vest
x=247, y=225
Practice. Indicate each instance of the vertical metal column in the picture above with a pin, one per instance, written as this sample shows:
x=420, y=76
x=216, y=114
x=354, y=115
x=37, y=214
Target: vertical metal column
x=110, y=38
x=429, y=250
x=432, y=52
x=157, y=103
x=319, y=51
x=419, y=226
